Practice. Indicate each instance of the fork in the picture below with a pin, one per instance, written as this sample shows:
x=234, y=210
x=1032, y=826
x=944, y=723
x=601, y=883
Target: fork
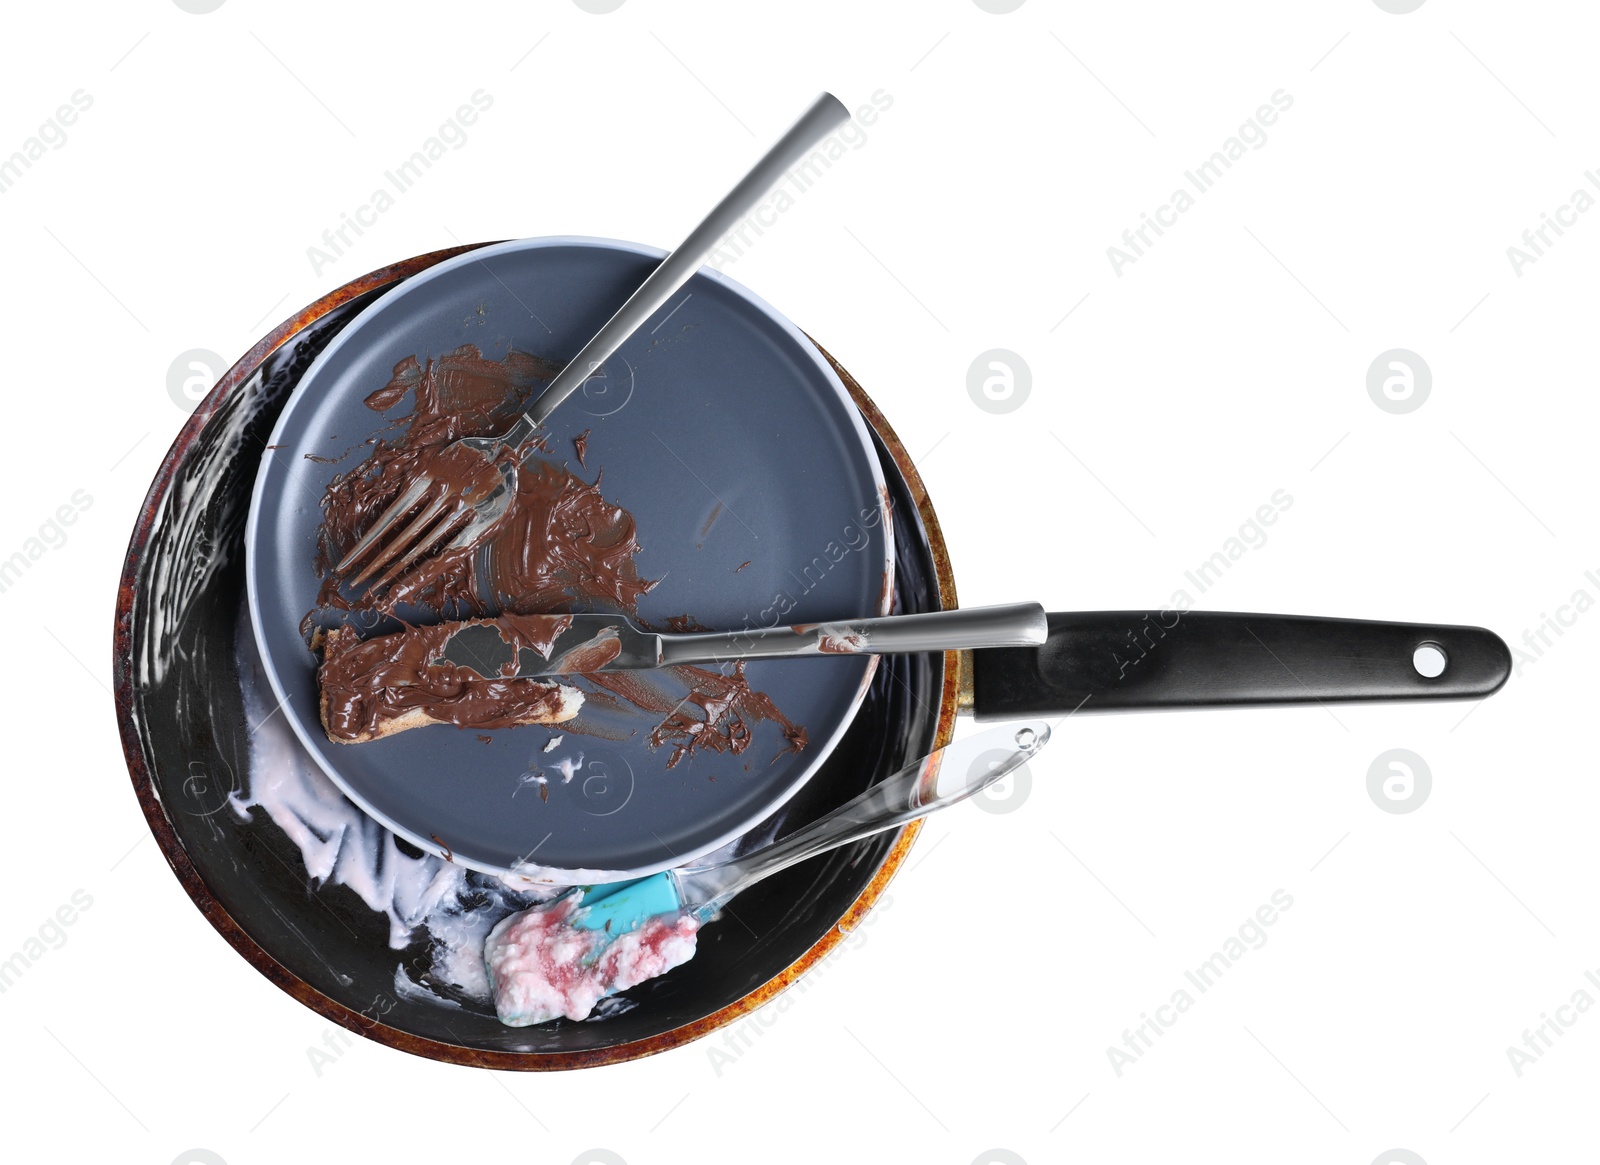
x=430, y=515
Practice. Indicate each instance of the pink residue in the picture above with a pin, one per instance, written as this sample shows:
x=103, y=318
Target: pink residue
x=542, y=968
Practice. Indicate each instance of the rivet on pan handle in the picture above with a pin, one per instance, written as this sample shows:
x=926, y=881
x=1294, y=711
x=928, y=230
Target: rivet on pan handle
x=1103, y=661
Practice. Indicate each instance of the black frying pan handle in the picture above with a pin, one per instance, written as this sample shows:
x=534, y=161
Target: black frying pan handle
x=1102, y=661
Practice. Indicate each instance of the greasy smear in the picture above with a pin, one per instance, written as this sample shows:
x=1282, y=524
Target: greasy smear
x=716, y=512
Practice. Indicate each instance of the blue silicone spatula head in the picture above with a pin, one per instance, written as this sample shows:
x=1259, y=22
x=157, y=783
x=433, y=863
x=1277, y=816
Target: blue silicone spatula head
x=619, y=907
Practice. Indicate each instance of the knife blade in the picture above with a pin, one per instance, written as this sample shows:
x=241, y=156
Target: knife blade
x=603, y=643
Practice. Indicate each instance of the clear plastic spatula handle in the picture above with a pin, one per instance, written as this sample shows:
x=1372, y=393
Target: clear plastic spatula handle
x=941, y=778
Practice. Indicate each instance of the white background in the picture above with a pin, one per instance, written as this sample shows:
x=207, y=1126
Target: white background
x=1168, y=403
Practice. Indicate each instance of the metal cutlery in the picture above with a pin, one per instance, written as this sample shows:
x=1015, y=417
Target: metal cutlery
x=431, y=515
x=603, y=643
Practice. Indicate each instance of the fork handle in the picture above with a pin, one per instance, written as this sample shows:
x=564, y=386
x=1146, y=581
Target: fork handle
x=826, y=114
x=1008, y=625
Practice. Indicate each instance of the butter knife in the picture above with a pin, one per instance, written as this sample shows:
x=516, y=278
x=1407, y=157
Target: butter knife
x=596, y=643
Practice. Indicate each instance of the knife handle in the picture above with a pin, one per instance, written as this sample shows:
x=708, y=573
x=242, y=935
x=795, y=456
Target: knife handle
x=1011, y=625
x=1103, y=661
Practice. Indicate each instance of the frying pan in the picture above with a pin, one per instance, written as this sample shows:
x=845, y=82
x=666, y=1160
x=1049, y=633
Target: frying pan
x=187, y=740
x=190, y=698
x=752, y=477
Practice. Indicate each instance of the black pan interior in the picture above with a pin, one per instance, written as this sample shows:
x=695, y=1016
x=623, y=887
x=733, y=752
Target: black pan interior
x=189, y=723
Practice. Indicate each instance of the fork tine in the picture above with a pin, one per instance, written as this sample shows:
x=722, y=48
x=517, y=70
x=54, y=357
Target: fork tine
x=399, y=548
x=384, y=522
x=403, y=566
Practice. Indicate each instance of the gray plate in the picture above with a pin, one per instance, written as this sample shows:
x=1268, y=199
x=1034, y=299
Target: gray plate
x=724, y=404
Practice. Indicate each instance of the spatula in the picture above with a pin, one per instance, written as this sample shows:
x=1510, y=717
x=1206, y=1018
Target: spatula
x=942, y=778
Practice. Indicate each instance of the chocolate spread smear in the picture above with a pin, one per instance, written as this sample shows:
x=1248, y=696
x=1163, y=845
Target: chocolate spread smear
x=559, y=540
x=385, y=684
x=720, y=715
x=681, y=624
x=560, y=546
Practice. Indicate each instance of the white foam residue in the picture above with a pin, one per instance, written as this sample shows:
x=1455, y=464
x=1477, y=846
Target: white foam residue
x=341, y=845
x=543, y=966
x=536, y=777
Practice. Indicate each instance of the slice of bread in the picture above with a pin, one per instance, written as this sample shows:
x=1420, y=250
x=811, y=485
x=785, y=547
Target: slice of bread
x=377, y=687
